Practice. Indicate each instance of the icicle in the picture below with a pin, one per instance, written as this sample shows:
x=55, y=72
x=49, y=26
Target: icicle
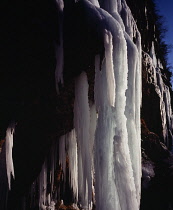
x=73, y=162
x=109, y=67
x=93, y=125
x=53, y=153
x=153, y=55
x=43, y=187
x=103, y=149
x=62, y=154
x=122, y=161
x=9, y=148
x=82, y=124
x=105, y=189
x=133, y=97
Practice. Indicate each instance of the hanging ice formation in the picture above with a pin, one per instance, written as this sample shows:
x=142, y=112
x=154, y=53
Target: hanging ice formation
x=9, y=157
x=156, y=78
x=103, y=149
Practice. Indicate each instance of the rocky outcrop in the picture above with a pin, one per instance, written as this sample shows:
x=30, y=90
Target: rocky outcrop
x=157, y=172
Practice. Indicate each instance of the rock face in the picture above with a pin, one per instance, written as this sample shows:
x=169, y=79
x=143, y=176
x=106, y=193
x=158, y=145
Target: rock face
x=72, y=77
x=156, y=104
x=157, y=174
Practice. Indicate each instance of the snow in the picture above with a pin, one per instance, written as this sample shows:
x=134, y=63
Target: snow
x=9, y=149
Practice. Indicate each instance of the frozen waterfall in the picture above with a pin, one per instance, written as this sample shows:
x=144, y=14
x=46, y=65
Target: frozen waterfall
x=102, y=153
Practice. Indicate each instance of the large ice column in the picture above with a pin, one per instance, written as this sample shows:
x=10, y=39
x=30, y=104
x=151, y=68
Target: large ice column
x=133, y=104
x=115, y=165
x=122, y=159
x=113, y=162
x=105, y=187
x=9, y=149
x=82, y=126
x=132, y=111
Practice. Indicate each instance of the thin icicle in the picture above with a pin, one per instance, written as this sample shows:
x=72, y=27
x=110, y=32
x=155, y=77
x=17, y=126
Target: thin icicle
x=62, y=154
x=9, y=149
x=43, y=187
x=73, y=162
x=109, y=66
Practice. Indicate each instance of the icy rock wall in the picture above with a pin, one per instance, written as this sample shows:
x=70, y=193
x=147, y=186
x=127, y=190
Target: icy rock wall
x=155, y=77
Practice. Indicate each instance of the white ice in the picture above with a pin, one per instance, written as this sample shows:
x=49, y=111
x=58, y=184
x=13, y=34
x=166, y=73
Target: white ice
x=82, y=126
x=71, y=142
x=9, y=150
x=103, y=149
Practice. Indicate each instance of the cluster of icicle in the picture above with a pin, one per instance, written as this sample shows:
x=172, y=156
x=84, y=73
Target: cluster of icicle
x=155, y=77
x=103, y=149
